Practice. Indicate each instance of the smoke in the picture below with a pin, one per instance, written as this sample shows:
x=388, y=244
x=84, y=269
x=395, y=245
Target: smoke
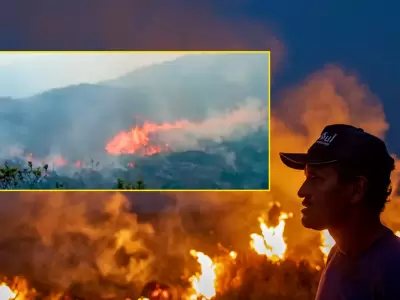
x=234, y=124
x=74, y=240
x=135, y=29
x=330, y=95
x=66, y=239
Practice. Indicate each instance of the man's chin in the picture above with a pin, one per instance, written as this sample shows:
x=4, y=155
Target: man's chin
x=309, y=223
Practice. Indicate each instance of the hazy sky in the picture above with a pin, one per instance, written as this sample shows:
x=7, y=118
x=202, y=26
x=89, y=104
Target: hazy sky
x=24, y=74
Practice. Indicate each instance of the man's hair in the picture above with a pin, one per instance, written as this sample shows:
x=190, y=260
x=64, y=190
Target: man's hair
x=379, y=186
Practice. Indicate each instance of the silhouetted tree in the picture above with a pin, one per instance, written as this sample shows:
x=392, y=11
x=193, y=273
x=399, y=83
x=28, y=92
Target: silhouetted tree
x=138, y=185
x=15, y=177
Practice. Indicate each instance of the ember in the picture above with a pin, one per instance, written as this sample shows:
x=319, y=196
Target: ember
x=156, y=291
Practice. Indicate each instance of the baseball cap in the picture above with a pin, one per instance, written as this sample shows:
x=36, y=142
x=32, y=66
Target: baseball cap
x=341, y=143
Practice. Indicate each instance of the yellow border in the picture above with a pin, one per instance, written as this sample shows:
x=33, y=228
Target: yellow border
x=168, y=51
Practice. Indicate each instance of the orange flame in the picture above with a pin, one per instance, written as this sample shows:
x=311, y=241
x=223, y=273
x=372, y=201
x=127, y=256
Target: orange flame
x=203, y=283
x=56, y=160
x=17, y=289
x=397, y=233
x=138, y=141
x=327, y=242
x=6, y=293
x=271, y=243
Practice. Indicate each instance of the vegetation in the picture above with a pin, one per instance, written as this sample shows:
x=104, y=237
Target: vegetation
x=12, y=177
x=37, y=177
x=122, y=185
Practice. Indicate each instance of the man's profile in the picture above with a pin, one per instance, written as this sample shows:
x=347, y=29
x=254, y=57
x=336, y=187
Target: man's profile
x=346, y=188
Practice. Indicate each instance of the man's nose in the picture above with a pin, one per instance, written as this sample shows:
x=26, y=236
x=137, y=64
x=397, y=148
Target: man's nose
x=303, y=191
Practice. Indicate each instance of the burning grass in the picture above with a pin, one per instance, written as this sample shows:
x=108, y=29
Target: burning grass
x=97, y=249
x=94, y=248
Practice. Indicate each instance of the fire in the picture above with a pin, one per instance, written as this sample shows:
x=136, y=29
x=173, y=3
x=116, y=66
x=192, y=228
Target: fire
x=16, y=289
x=271, y=243
x=56, y=160
x=327, y=242
x=6, y=293
x=397, y=233
x=233, y=254
x=203, y=283
x=138, y=139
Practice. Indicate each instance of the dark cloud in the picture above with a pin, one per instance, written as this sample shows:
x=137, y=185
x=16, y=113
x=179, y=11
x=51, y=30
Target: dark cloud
x=134, y=25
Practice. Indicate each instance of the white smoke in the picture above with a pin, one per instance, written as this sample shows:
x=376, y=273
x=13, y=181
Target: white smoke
x=233, y=124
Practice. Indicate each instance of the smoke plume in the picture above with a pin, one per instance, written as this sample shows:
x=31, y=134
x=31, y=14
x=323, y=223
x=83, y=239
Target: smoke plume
x=236, y=123
x=330, y=95
x=93, y=242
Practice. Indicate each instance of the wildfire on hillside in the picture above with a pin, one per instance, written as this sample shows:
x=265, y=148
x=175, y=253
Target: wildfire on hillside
x=148, y=138
x=139, y=139
x=144, y=140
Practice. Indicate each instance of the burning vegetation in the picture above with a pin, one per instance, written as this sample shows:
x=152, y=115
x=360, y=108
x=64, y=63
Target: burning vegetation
x=162, y=153
x=98, y=249
x=210, y=246
x=147, y=138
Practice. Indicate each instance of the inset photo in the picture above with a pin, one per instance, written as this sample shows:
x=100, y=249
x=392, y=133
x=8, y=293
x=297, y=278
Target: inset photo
x=134, y=120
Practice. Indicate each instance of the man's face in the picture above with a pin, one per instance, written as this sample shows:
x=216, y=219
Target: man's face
x=325, y=199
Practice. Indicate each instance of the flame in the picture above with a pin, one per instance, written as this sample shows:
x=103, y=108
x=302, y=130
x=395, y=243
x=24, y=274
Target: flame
x=6, y=293
x=271, y=243
x=203, y=283
x=138, y=139
x=327, y=242
x=59, y=161
x=233, y=254
x=17, y=289
x=397, y=233
x=56, y=160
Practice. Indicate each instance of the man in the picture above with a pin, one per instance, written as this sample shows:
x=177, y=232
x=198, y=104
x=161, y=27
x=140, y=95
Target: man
x=346, y=188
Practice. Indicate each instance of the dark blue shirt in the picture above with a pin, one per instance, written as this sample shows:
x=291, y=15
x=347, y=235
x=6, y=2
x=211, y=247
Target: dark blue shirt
x=374, y=275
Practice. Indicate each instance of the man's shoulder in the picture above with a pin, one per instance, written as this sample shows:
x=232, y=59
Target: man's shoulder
x=391, y=247
x=387, y=271
x=387, y=252
x=390, y=243
x=331, y=254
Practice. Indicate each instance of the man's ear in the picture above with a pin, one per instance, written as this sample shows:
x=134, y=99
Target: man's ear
x=359, y=190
